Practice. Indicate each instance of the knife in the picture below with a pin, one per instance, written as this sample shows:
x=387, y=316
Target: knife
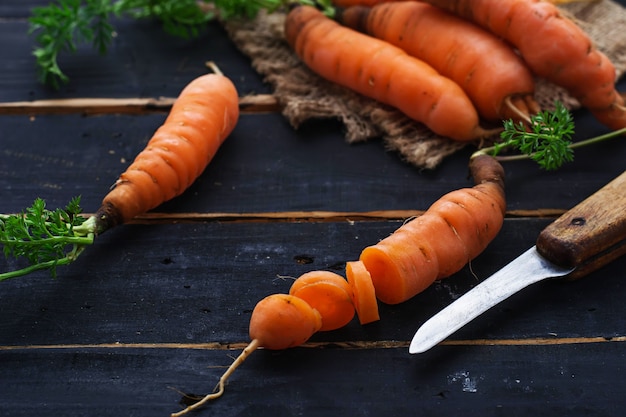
x=585, y=238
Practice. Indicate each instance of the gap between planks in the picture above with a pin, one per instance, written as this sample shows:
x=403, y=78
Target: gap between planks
x=383, y=344
x=313, y=216
x=260, y=103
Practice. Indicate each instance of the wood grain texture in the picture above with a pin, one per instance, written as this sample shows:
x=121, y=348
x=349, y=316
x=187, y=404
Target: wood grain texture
x=163, y=304
x=590, y=233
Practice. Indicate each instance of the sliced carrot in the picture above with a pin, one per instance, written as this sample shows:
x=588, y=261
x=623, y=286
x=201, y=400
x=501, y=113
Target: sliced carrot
x=454, y=230
x=281, y=321
x=400, y=270
x=328, y=293
x=363, y=293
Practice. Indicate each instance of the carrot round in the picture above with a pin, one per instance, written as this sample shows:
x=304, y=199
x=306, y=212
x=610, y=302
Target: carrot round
x=494, y=77
x=363, y=292
x=204, y=114
x=554, y=47
x=279, y=321
x=453, y=231
x=381, y=71
x=328, y=293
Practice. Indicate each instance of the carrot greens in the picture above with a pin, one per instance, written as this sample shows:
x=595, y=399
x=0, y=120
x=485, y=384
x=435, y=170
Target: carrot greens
x=201, y=118
x=546, y=139
x=45, y=238
x=64, y=24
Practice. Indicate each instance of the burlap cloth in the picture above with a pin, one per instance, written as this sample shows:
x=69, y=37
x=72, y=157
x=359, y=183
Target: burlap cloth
x=303, y=95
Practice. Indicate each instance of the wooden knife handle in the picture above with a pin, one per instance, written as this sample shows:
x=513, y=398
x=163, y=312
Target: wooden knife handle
x=591, y=234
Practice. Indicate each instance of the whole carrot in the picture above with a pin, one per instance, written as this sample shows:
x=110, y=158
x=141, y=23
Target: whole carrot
x=383, y=72
x=494, y=77
x=453, y=231
x=201, y=118
x=203, y=115
x=554, y=47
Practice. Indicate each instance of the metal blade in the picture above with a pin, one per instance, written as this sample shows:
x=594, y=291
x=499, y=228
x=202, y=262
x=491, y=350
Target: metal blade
x=526, y=269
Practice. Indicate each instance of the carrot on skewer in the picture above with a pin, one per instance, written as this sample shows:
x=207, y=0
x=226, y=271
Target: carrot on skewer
x=383, y=72
x=494, y=77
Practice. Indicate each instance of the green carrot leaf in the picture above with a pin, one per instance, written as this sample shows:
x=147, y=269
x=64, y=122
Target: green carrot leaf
x=45, y=238
x=546, y=139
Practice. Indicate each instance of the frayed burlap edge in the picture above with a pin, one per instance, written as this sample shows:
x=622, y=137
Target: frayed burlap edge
x=305, y=96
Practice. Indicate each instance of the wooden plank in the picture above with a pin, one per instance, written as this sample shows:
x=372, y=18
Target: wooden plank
x=97, y=106
x=18, y=9
x=568, y=380
x=142, y=62
x=135, y=286
x=282, y=170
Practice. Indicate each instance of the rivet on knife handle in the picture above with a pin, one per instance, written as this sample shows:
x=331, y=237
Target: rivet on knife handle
x=591, y=234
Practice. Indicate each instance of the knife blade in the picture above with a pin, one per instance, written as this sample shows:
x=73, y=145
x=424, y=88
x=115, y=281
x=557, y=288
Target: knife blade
x=583, y=239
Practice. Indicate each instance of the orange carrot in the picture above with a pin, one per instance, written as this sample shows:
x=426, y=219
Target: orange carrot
x=383, y=72
x=363, y=292
x=201, y=118
x=453, y=231
x=554, y=47
x=279, y=321
x=494, y=77
x=328, y=293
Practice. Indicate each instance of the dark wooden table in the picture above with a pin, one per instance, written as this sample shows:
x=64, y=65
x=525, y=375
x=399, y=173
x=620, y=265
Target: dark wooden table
x=160, y=306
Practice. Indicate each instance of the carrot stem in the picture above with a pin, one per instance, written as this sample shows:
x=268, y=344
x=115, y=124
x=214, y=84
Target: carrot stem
x=213, y=67
x=586, y=142
x=219, y=389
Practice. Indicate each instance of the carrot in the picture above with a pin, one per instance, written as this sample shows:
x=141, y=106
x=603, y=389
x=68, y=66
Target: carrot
x=453, y=231
x=201, y=118
x=279, y=321
x=328, y=293
x=204, y=114
x=494, y=77
x=383, y=72
x=554, y=47
x=363, y=292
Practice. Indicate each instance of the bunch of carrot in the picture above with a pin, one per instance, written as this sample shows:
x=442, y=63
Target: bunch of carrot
x=453, y=231
x=453, y=64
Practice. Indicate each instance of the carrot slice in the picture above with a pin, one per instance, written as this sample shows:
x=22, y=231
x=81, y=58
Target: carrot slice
x=281, y=321
x=328, y=293
x=363, y=292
